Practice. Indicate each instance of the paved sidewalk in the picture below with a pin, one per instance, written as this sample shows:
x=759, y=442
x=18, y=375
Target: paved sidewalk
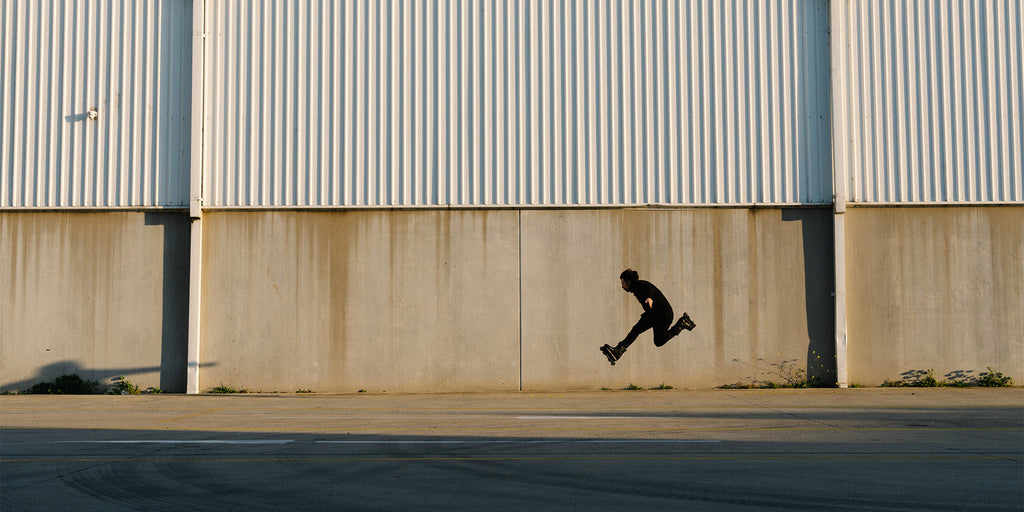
x=856, y=449
x=320, y=413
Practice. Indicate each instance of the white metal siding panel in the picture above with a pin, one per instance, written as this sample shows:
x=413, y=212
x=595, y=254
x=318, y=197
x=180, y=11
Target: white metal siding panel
x=516, y=102
x=130, y=61
x=935, y=101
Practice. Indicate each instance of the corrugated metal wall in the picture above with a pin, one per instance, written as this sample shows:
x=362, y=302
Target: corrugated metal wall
x=508, y=102
x=128, y=60
x=935, y=100
x=516, y=102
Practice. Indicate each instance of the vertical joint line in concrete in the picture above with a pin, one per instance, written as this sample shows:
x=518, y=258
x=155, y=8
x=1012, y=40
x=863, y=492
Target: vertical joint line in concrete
x=519, y=216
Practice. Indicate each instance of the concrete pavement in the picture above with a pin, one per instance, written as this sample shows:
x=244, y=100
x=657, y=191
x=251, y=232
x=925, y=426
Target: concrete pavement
x=857, y=449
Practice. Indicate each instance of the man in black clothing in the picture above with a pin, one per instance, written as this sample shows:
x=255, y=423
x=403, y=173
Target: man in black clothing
x=657, y=315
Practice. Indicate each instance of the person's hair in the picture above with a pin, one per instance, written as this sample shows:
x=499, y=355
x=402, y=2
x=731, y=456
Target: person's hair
x=629, y=275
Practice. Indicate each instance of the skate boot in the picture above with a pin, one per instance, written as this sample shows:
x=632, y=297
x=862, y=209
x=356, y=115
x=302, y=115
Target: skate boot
x=687, y=323
x=678, y=327
x=612, y=353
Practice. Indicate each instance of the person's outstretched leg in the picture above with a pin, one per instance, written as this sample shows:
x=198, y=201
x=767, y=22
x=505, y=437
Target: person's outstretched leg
x=662, y=333
x=642, y=325
x=684, y=322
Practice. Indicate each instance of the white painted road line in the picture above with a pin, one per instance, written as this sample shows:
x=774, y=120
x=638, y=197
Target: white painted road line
x=186, y=441
x=556, y=417
x=397, y=441
x=538, y=441
x=352, y=417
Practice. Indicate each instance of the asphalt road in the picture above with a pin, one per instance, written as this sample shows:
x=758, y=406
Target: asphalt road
x=859, y=449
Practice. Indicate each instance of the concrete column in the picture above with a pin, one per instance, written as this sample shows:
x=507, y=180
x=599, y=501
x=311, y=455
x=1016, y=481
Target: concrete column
x=196, y=194
x=837, y=80
x=194, y=306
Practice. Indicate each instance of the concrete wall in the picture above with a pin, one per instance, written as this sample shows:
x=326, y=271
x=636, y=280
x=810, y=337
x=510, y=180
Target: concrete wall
x=382, y=301
x=438, y=300
x=752, y=279
x=98, y=294
x=934, y=288
x=503, y=299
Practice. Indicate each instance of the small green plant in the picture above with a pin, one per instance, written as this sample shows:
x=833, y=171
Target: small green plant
x=361, y=391
x=994, y=379
x=960, y=379
x=605, y=388
x=66, y=385
x=226, y=390
x=954, y=379
x=788, y=374
x=300, y=390
x=927, y=380
x=663, y=386
x=634, y=387
x=154, y=390
x=123, y=387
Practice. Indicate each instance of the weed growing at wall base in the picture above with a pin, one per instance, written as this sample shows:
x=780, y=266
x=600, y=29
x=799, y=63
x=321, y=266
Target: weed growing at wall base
x=634, y=387
x=226, y=390
x=994, y=379
x=123, y=387
x=66, y=385
x=787, y=375
x=914, y=379
x=956, y=379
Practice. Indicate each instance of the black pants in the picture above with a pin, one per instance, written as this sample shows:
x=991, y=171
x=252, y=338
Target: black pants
x=660, y=320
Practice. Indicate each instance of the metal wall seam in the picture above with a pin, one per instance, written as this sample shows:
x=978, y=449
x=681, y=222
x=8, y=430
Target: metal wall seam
x=937, y=88
x=506, y=102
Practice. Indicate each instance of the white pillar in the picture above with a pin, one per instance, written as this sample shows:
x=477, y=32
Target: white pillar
x=838, y=51
x=196, y=195
x=194, y=299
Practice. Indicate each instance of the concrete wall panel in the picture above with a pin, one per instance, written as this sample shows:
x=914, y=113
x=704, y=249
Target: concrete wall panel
x=752, y=280
x=430, y=300
x=343, y=301
x=97, y=294
x=934, y=288
x=502, y=299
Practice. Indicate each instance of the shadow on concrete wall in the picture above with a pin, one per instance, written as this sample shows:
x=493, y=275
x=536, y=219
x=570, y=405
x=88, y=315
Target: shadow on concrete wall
x=174, y=317
x=51, y=371
x=819, y=286
x=814, y=159
x=104, y=376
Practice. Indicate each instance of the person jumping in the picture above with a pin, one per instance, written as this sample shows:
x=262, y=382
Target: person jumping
x=657, y=315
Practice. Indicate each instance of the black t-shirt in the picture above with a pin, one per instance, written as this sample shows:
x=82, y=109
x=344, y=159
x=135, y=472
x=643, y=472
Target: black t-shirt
x=644, y=290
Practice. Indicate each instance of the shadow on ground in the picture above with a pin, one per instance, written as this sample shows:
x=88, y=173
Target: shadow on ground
x=113, y=469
